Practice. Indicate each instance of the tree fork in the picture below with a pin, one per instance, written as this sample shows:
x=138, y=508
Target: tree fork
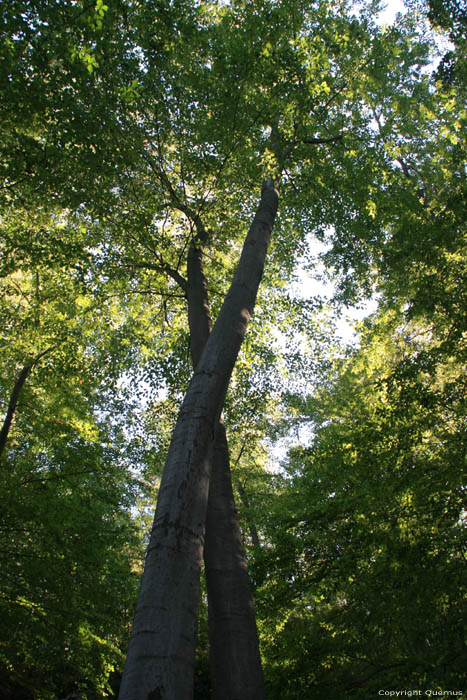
x=161, y=652
x=236, y=671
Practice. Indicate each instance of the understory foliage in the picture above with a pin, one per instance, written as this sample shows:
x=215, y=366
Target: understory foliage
x=131, y=131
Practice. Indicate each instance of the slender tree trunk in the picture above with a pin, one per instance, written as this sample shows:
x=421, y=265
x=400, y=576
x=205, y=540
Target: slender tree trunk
x=160, y=658
x=199, y=318
x=236, y=671
x=246, y=504
x=14, y=396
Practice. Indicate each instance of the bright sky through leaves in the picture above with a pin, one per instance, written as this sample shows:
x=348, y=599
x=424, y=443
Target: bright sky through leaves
x=309, y=286
x=392, y=8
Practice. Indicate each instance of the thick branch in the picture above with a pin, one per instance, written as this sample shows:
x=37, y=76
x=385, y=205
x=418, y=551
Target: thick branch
x=199, y=318
x=23, y=375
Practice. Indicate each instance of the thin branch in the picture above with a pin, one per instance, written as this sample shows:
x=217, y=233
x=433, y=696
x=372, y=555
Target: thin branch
x=290, y=178
x=163, y=267
x=401, y=161
x=148, y=292
x=319, y=141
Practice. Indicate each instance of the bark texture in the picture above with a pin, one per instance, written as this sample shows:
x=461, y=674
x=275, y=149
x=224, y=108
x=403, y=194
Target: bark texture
x=236, y=671
x=159, y=664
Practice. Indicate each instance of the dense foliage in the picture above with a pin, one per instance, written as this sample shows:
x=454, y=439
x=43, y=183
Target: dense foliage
x=130, y=130
x=365, y=565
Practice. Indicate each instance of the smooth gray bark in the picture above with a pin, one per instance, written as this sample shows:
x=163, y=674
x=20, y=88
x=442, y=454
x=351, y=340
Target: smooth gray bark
x=160, y=658
x=236, y=671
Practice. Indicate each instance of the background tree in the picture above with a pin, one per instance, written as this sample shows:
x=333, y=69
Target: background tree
x=371, y=527
x=375, y=506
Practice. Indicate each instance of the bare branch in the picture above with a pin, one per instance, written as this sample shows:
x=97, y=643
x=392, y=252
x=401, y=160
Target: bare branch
x=320, y=141
x=163, y=267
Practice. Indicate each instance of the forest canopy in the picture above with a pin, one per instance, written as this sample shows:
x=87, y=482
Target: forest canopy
x=171, y=171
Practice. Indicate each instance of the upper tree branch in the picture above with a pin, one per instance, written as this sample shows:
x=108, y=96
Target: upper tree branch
x=401, y=161
x=194, y=217
x=163, y=267
x=319, y=141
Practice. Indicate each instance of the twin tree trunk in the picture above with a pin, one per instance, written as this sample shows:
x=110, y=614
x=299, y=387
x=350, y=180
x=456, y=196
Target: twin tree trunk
x=159, y=664
x=236, y=672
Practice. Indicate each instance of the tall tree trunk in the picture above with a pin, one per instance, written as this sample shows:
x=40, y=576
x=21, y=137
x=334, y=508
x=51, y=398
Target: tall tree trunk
x=160, y=658
x=236, y=671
